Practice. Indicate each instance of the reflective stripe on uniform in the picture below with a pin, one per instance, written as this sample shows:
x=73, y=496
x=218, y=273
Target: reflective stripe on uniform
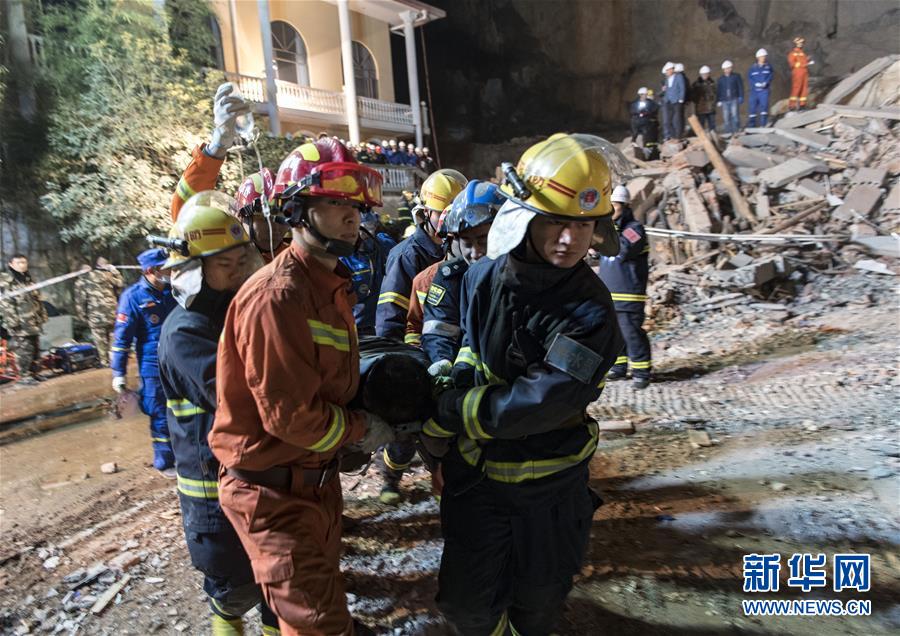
x=433, y=429
x=329, y=336
x=386, y=298
x=622, y=360
x=391, y=464
x=421, y=296
x=440, y=328
x=118, y=349
x=470, y=413
x=629, y=298
x=183, y=408
x=645, y=364
x=469, y=357
x=517, y=472
x=502, y=624
x=198, y=488
x=163, y=440
x=469, y=450
x=412, y=338
x=602, y=383
x=184, y=190
x=334, y=434
x=269, y=630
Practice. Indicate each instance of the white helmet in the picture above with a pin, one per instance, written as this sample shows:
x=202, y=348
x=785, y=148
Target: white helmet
x=762, y=53
x=668, y=65
x=727, y=64
x=642, y=90
x=620, y=195
x=679, y=68
x=704, y=69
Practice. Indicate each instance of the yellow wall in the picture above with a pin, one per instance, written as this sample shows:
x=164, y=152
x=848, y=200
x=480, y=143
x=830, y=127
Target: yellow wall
x=317, y=23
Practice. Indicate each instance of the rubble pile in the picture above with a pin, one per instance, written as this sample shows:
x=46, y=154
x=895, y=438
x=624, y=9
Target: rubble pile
x=745, y=222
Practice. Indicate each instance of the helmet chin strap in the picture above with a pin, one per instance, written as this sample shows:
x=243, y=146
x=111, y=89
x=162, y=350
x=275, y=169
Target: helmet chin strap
x=300, y=218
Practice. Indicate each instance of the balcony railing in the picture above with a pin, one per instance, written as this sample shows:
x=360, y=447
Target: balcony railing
x=400, y=178
x=296, y=97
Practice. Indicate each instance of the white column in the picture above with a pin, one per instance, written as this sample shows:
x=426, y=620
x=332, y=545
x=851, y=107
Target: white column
x=412, y=72
x=349, y=76
x=234, y=39
x=265, y=30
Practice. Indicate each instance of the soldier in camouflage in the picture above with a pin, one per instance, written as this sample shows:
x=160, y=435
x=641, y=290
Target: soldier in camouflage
x=22, y=315
x=96, y=299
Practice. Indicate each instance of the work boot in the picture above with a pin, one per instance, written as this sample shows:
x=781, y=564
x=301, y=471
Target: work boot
x=390, y=492
x=615, y=374
x=163, y=459
x=641, y=383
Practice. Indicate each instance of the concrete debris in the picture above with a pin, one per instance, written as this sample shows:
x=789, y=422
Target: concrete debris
x=861, y=200
x=782, y=174
x=876, y=267
x=616, y=426
x=109, y=468
x=698, y=438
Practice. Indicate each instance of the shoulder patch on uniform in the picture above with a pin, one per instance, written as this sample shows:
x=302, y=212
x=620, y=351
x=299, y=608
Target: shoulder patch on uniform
x=120, y=317
x=435, y=295
x=631, y=235
x=573, y=358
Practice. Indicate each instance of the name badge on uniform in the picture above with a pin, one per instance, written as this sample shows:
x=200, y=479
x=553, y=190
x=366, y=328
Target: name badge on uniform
x=435, y=295
x=573, y=358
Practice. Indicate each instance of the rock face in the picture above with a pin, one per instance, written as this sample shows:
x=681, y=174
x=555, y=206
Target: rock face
x=501, y=69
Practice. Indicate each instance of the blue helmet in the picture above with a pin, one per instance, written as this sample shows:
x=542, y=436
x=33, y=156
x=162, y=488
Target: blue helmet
x=476, y=205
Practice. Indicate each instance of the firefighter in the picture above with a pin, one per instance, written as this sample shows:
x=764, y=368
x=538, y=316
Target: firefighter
x=287, y=368
x=625, y=275
x=415, y=253
x=467, y=228
x=539, y=335
x=210, y=256
x=143, y=308
x=799, y=63
x=759, y=77
x=267, y=233
x=420, y=285
x=367, y=267
x=644, y=119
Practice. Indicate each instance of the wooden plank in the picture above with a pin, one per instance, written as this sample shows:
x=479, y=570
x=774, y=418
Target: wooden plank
x=852, y=82
x=110, y=594
x=19, y=402
x=794, y=220
x=734, y=192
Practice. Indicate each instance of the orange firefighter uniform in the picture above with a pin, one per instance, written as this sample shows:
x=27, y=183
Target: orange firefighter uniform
x=415, y=316
x=201, y=174
x=288, y=366
x=798, y=61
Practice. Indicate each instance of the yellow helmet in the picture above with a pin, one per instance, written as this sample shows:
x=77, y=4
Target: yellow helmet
x=207, y=225
x=440, y=188
x=569, y=175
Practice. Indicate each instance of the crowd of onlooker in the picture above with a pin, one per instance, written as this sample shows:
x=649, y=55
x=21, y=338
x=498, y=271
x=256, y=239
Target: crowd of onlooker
x=391, y=152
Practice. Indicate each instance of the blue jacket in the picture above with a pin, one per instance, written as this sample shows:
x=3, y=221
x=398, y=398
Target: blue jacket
x=760, y=77
x=187, y=370
x=367, y=267
x=677, y=92
x=441, y=332
x=515, y=416
x=407, y=259
x=139, y=319
x=625, y=274
x=730, y=87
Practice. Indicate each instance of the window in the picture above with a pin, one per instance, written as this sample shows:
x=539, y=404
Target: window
x=365, y=72
x=215, y=50
x=290, y=54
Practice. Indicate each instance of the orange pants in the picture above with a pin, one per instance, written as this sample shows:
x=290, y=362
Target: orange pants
x=799, y=87
x=294, y=543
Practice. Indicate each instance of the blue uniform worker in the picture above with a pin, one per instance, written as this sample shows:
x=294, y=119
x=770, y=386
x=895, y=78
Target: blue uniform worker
x=368, y=265
x=405, y=260
x=625, y=275
x=143, y=307
x=760, y=79
x=441, y=332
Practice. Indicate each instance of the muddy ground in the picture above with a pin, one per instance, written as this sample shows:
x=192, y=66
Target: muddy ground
x=802, y=419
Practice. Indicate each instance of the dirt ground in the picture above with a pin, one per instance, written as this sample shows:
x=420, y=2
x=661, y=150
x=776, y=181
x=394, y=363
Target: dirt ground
x=804, y=456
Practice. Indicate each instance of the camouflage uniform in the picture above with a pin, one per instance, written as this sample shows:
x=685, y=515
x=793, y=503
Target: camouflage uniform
x=23, y=317
x=96, y=299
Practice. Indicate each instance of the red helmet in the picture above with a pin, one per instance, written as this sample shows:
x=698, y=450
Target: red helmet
x=325, y=168
x=255, y=186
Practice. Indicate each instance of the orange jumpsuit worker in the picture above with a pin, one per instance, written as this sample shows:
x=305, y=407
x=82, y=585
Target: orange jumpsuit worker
x=288, y=366
x=203, y=171
x=799, y=62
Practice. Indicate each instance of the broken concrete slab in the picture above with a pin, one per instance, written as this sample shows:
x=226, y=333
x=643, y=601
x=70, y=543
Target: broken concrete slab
x=892, y=200
x=750, y=158
x=698, y=438
x=791, y=170
x=871, y=176
x=809, y=138
x=798, y=120
x=762, y=204
x=861, y=199
x=876, y=267
x=881, y=113
x=695, y=213
x=852, y=82
x=697, y=158
x=880, y=245
x=754, y=141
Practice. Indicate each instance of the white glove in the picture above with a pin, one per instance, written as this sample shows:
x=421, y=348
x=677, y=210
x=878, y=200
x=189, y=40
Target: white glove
x=441, y=367
x=811, y=62
x=118, y=383
x=226, y=109
x=718, y=103
x=378, y=433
